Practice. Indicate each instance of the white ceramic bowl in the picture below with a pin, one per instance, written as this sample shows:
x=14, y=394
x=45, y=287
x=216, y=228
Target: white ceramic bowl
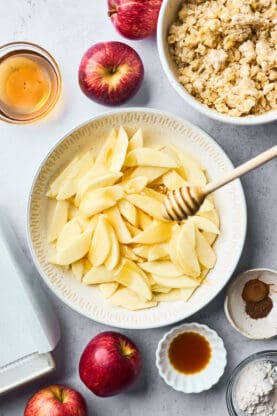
x=167, y=16
x=198, y=382
x=234, y=305
x=158, y=127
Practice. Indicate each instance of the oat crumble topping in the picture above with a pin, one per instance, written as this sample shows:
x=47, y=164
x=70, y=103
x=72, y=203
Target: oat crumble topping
x=226, y=54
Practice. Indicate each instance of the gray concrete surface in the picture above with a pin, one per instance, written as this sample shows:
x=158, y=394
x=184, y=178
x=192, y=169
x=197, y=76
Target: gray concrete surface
x=67, y=29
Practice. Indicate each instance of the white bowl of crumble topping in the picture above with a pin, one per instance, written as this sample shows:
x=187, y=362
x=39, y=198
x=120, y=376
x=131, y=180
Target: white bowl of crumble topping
x=221, y=57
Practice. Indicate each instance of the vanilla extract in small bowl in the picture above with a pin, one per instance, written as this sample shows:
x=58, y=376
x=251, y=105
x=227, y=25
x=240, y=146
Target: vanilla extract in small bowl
x=189, y=352
x=191, y=358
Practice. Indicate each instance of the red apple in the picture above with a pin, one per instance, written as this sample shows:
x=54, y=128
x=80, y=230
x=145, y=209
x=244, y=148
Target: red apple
x=110, y=73
x=56, y=400
x=135, y=19
x=109, y=364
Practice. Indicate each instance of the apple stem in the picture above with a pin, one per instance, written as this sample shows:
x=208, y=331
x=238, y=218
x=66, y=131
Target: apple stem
x=62, y=396
x=59, y=394
x=111, y=12
x=125, y=349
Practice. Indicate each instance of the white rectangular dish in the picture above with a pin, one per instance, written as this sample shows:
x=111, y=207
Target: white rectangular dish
x=29, y=330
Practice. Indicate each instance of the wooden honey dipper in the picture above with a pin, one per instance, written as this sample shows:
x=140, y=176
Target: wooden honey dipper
x=186, y=201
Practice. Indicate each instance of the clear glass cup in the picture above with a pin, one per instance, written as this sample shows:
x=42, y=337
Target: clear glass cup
x=30, y=82
x=270, y=355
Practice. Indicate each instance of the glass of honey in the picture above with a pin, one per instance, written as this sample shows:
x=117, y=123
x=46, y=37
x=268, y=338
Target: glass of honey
x=30, y=82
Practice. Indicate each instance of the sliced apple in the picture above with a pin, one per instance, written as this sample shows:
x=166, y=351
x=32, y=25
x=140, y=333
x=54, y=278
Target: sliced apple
x=98, y=275
x=101, y=242
x=108, y=289
x=136, y=140
x=211, y=216
x=206, y=206
x=119, y=150
x=72, y=211
x=135, y=279
x=185, y=250
x=93, y=222
x=172, y=180
x=146, y=156
x=205, y=253
x=91, y=182
x=59, y=217
x=75, y=250
x=123, y=234
x=162, y=268
x=149, y=172
x=173, y=296
x=69, y=172
x=173, y=244
x=190, y=169
x=113, y=258
x=175, y=282
x=160, y=289
x=158, y=251
x=129, y=253
x=69, y=187
x=205, y=224
x=210, y=237
x=186, y=293
x=154, y=194
x=84, y=222
x=70, y=231
x=157, y=232
x=78, y=269
x=194, y=174
x=144, y=219
x=103, y=159
x=128, y=211
x=134, y=185
x=127, y=299
x=85, y=164
x=142, y=251
x=100, y=199
x=147, y=204
x=87, y=264
x=133, y=230
x=187, y=254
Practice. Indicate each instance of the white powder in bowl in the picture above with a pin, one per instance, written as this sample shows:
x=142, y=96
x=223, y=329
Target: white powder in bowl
x=256, y=389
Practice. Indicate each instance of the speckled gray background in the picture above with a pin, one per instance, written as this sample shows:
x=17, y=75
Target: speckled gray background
x=67, y=28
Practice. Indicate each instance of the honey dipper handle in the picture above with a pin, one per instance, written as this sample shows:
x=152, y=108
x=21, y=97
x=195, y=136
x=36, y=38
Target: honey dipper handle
x=241, y=170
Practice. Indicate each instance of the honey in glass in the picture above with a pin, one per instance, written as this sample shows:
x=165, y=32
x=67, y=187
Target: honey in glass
x=29, y=82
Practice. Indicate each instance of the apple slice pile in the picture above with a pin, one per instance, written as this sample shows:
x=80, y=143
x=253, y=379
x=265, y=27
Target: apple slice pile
x=107, y=225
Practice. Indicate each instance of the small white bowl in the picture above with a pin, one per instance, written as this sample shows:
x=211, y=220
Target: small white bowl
x=167, y=16
x=198, y=382
x=234, y=306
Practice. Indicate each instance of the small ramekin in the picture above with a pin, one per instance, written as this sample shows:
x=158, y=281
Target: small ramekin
x=234, y=305
x=167, y=16
x=198, y=382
